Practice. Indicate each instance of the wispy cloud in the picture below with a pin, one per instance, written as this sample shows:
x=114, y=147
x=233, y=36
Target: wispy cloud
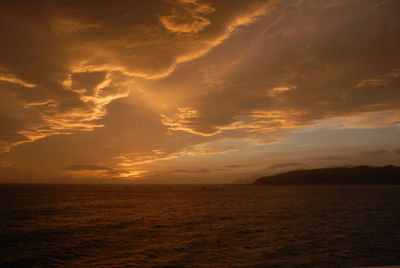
x=188, y=17
x=373, y=82
x=203, y=170
x=86, y=167
x=4, y=163
x=127, y=160
x=330, y=158
x=234, y=166
x=378, y=152
x=70, y=67
x=284, y=165
x=191, y=80
x=383, y=80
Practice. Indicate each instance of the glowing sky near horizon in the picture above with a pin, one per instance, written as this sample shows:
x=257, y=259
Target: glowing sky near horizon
x=196, y=91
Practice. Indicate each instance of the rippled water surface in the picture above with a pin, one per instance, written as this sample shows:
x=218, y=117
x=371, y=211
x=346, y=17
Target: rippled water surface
x=191, y=226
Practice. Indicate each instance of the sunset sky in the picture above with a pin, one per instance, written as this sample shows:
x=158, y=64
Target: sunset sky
x=196, y=91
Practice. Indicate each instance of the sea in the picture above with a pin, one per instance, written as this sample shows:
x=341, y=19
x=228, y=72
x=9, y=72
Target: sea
x=199, y=226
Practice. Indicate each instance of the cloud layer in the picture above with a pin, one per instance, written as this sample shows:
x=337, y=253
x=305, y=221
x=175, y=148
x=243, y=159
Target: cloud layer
x=64, y=62
x=136, y=88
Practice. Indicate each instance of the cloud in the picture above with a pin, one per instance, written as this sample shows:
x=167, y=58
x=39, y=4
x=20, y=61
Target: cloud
x=86, y=167
x=188, y=17
x=94, y=171
x=396, y=151
x=210, y=148
x=259, y=121
x=143, y=161
x=132, y=173
x=234, y=166
x=330, y=158
x=381, y=81
x=65, y=62
x=143, y=85
x=276, y=91
x=203, y=170
x=283, y=165
x=295, y=72
x=378, y=152
x=4, y=163
x=360, y=121
x=72, y=25
x=377, y=82
x=373, y=120
x=127, y=160
x=395, y=73
x=187, y=119
x=7, y=77
x=65, y=115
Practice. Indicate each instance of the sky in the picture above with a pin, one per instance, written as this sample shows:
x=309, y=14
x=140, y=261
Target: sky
x=195, y=91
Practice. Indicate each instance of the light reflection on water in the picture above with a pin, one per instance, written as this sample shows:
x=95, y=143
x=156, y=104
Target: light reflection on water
x=227, y=225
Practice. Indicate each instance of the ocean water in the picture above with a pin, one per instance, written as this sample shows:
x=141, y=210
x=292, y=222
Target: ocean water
x=199, y=226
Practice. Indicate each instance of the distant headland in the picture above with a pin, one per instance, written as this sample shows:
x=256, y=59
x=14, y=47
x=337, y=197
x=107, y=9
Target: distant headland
x=360, y=175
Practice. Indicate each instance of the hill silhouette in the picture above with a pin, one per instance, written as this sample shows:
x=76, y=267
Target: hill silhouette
x=360, y=175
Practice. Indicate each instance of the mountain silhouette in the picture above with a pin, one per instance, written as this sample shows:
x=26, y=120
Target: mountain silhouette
x=360, y=175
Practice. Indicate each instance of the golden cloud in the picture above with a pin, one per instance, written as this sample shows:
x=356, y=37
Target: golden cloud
x=127, y=160
x=260, y=121
x=209, y=148
x=258, y=70
x=187, y=119
x=76, y=59
x=187, y=17
x=383, y=80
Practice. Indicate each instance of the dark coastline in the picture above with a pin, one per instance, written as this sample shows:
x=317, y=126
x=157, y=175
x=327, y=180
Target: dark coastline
x=360, y=175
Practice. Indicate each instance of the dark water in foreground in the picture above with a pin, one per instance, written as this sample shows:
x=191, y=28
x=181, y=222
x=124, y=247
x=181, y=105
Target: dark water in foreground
x=199, y=225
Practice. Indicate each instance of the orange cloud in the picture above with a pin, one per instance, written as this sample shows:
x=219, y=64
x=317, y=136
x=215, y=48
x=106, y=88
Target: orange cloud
x=259, y=121
x=10, y=78
x=132, y=173
x=187, y=119
x=78, y=60
x=4, y=163
x=190, y=78
x=127, y=160
x=276, y=91
x=377, y=82
x=188, y=17
x=209, y=148
x=380, y=81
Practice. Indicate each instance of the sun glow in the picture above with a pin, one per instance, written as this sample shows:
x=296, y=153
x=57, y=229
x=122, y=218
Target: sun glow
x=132, y=173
